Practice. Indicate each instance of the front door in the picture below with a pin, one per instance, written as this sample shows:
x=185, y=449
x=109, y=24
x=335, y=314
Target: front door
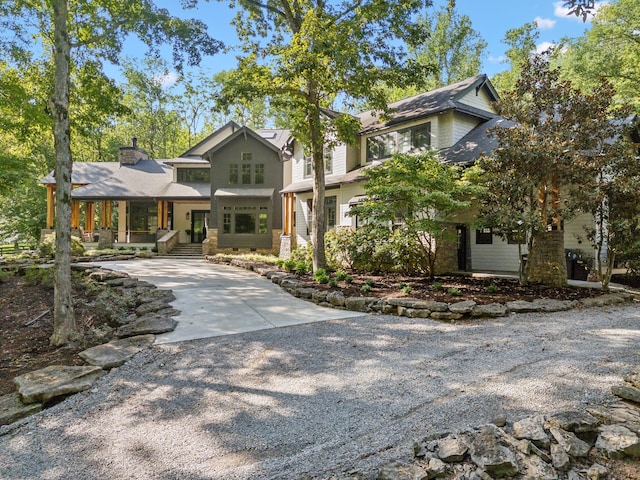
x=461, y=241
x=199, y=225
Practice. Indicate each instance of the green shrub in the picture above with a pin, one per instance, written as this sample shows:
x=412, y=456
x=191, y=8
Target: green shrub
x=48, y=246
x=365, y=288
x=404, y=288
x=289, y=265
x=341, y=275
x=302, y=254
x=333, y=283
x=4, y=275
x=321, y=276
x=456, y=292
x=303, y=268
x=369, y=282
x=279, y=262
x=437, y=286
x=40, y=276
x=348, y=279
x=493, y=288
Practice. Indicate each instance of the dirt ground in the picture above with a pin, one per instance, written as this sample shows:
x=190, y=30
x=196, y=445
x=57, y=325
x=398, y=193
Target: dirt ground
x=24, y=343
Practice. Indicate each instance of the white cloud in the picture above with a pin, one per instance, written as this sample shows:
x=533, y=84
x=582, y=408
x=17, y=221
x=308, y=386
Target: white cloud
x=560, y=11
x=544, y=46
x=545, y=23
x=500, y=59
x=166, y=79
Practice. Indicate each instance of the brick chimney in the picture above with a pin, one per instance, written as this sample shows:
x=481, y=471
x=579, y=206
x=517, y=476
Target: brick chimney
x=131, y=155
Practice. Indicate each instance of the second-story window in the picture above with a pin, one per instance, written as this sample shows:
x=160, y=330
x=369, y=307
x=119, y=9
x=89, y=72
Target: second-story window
x=308, y=166
x=233, y=174
x=246, y=174
x=408, y=140
x=194, y=175
x=258, y=173
x=328, y=163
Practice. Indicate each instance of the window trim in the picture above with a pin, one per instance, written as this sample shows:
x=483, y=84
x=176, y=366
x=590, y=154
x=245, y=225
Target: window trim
x=390, y=142
x=484, y=236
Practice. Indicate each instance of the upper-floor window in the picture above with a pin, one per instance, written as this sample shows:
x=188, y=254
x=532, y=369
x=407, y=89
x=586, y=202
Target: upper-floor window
x=247, y=157
x=328, y=163
x=194, y=175
x=246, y=174
x=408, y=140
x=233, y=174
x=258, y=177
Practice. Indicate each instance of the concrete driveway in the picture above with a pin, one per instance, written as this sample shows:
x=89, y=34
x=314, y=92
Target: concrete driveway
x=219, y=300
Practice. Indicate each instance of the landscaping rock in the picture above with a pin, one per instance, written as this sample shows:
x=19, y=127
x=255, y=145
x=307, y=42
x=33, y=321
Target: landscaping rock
x=156, y=296
x=560, y=458
x=633, y=379
x=597, y=472
x=549, y=305
x=622, y=414
x=488, y=454
x=616, y=441
x=451, y=449
x=360, y=304
x=490, y=310
x=450, y=316
x=306, y=293
x=12, y=409
x=402, y=472
x=416, y=313
x=116, y=352
x=54, y=381
x=146, y=325
x=537, y=469
x=532, y=428
x=522, y=306
x=462, y=307
x=104, y=275
x=154, y=306
x=574, y=421
x=602, y=300
x=626, y=392
x=408, y=302
x=431, y=306
x=336, y=298
x=319, y=296
x=288, y=282
x=571, y=444
x=436, y=468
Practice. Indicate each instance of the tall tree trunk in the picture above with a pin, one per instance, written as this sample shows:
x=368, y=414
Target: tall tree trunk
x=64, y=326
x=317, y=214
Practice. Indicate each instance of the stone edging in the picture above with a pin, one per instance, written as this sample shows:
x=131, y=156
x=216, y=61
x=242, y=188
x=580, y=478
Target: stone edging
x=153, y=314
x=413, y=307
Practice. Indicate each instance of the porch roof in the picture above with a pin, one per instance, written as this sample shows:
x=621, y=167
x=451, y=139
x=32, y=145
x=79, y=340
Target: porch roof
x=149, y=179
x=474, y=144
x=330, y=181
x=84, y=173
x=244, y=192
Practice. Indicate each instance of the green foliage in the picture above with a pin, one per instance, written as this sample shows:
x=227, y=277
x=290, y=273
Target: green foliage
x=37, y=275
x=333, y=283
x=456, y=292
x=609, y=49
x=303, y=268
x=521, y=42
x=321, y=276
x=365, y=288
x=340, y=275
x=4, y=274
x=348, y=279
x=404, y=288
x=48, y=246
x=409, y=200
x=493, y=288
x=368, y=282
x=437, y=286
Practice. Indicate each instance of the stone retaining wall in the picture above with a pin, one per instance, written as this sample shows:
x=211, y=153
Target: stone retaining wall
x=414, y=307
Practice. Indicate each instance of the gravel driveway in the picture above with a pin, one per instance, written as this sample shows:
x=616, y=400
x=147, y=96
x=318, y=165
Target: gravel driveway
x=319, y=399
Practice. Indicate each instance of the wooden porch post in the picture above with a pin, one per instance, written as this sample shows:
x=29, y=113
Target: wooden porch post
x=165, y=216
x=89, y=216
x=289, y=205
x=75, y=214
x=51, y=207
x=160, y=214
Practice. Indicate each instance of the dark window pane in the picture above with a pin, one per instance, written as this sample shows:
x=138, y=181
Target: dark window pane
x=245, y=223
x=259, y=173
x=484, y=236
x=246, y=174
x=233, y=173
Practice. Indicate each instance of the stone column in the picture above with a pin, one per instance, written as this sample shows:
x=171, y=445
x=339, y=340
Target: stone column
x=546, y=262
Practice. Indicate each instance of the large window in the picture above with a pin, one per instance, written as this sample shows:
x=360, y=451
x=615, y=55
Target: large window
x=328, y=163
x=408, y=140
x=245, y=220
x=233, y=174
x=330, y=213
x=246, y=174
x=259, y=174
x=194, y=175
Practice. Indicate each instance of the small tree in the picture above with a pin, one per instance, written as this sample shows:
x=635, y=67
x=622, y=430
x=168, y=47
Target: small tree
x=409, y=202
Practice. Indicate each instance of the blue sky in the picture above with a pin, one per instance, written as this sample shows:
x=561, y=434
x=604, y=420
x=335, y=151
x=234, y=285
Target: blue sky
x=492, y=18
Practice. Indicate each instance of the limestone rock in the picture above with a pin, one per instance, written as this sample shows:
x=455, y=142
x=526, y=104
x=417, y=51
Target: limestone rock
x=522, y=306
x=431, y=306
x=436, y=468
x=156, y=295
x=538, y=469
x=146, y=325
x=633, y=379
x=450, y=316
x=617, y=441
x=532, y=428
x=319, y=296
x=559, y=458
x=54, y=381
x=402, y=472
x=451, y=449
x=336, y=298
x=571, y=444
x=306, y=293
x=490, y=310
x=12, y=409
x=116, y=352
x=360, y=304
x=462, y=307
x=597, y=472
x=488, y=454
x=290, y=282
x=154, y=306
x=550, y=305
x=574, y=421
x=402, y=302
x=415, y=313
x=104, y=275
x=618, y=413
x=626, y=392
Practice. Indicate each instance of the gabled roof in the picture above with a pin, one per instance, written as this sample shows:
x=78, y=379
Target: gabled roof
x=207, y=143
x=84, y=173
x=247, y=132
x=278, y=136
x=430, y=103
x=330, y=181
x=477, y=142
